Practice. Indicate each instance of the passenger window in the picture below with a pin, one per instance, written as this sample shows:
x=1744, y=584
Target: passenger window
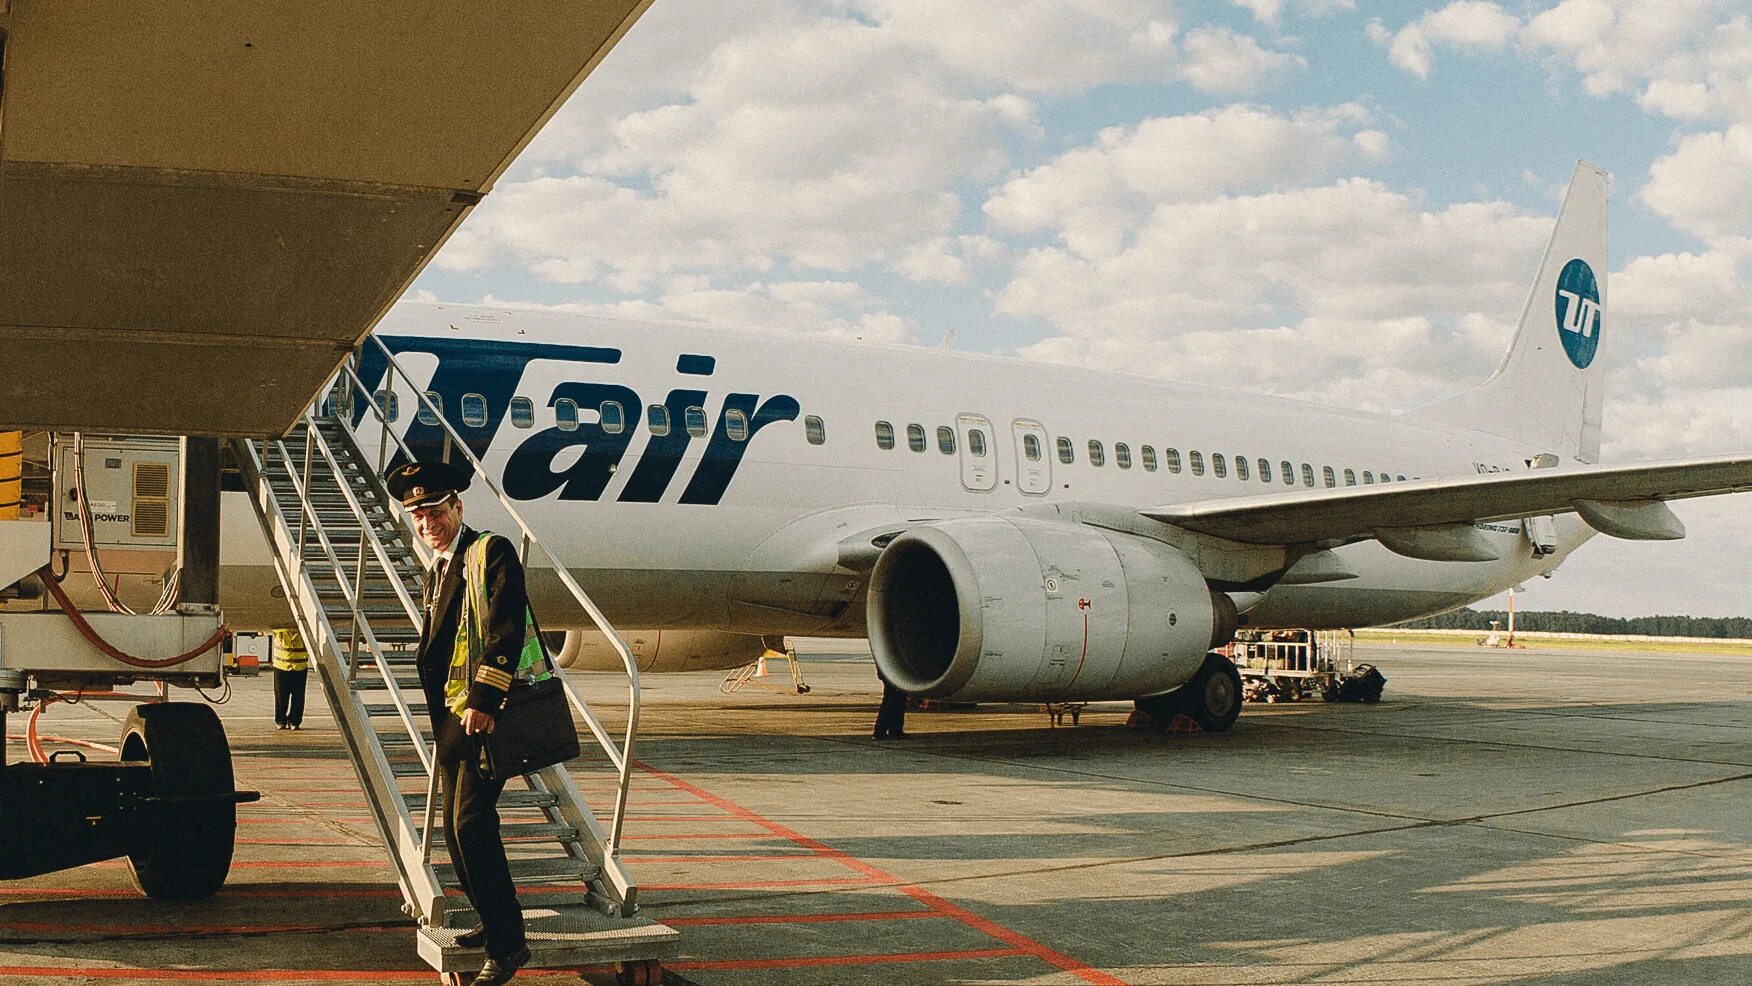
x=1219, y=465
x=884, y=435
x=1148, y=454
x=1307, y=475
x=976, y=443
x=1350, y=477
x=915, y=437
x=1289, y=472
x=657, y=420
x=437, y=399
x=612, y=416
x=1241, y=467
x=1067, y=451
x=1172, y=457
x=946, y=439
x=386, y=403
x=1368, y=477
x=474, y=410
x=1031, y=447
x=1097, y=455
x=1265, y=470
x=694, y=419
x=522, y=412
x=1122, y=455
x=736, y=425
x=1400, y=478
x=566, y=414
x=1327, y=474
x=1196, y=461
x=815, y=429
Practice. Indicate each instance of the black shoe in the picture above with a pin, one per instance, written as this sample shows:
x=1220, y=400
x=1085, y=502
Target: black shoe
x=500, y=970
x=473, y=938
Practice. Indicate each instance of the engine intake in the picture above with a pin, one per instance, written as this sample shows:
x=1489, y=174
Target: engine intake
x=1018, y=609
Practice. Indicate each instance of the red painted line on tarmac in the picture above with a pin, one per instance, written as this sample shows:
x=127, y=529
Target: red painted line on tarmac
x=804, y=918
x=833, y=960
x=84, y=928
x=753, y=884
x=671, y=836
x=729, y=858
x=1008, y=936
x=604, y=819
x=230, y=975
x=301, y=841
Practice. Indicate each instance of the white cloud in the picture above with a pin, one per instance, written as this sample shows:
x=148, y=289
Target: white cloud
x=1220, y=61
x=1474, y=26
x=1705, y=186
x=1270, y=12
x=1096, y=196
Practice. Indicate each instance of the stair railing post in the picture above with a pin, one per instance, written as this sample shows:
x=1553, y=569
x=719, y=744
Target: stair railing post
x=358, y=603
x=304, y=501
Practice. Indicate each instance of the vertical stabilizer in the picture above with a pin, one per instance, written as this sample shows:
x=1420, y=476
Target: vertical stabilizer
x=1547, y=391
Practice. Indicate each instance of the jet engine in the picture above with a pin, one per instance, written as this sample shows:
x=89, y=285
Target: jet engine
x=660, y=651
x=1019, y=609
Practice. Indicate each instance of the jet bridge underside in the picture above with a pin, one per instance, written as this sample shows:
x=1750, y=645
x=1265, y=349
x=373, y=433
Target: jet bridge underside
x=204, y=208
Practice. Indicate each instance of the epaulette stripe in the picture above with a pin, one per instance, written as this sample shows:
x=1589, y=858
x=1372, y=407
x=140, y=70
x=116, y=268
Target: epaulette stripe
x=493, y=677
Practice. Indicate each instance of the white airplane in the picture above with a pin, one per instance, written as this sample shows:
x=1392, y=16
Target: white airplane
x=1010, y=530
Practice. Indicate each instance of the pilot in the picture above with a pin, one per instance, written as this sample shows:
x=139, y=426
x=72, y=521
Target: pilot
x=466, y=661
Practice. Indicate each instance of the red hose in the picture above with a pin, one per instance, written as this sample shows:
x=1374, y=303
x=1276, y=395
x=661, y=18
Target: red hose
x=48, y=579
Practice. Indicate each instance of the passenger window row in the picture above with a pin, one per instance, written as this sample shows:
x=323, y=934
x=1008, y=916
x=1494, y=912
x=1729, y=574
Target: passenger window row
x=611, y=416
x=915, y=438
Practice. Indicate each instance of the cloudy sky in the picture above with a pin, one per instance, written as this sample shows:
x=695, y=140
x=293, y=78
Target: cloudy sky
x=1335, y=200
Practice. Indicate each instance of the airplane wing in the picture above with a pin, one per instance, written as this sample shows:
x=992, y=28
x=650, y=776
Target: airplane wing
x=1621, y=500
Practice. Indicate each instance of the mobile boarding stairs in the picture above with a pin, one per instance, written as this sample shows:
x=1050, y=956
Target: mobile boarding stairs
x=352, y=572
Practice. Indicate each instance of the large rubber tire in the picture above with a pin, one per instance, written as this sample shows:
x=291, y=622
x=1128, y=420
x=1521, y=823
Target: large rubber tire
x=185, y=850
x=1213, y=697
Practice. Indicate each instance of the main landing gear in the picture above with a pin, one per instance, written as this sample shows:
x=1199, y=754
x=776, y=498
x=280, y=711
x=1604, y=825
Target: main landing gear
x=1211, y=698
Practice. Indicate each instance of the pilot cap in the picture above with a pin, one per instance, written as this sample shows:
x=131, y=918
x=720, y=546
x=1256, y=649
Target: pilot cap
x=426, y=484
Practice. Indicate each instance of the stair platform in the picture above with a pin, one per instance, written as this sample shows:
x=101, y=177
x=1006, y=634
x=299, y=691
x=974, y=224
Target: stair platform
x=568, y=938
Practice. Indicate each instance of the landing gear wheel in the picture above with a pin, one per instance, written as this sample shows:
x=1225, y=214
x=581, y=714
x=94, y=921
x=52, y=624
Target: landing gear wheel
x=648, y=972
x=1213, y=697
x=185, y=846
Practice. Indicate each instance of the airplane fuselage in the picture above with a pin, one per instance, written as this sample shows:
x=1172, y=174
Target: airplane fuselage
x=778, y=448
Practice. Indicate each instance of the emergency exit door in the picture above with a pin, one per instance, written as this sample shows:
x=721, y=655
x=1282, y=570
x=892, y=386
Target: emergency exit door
x=1033, y=465
x=979, y=455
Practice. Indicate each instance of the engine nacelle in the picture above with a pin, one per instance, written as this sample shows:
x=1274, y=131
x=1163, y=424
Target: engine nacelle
x=660, y=651
x=1017, y=609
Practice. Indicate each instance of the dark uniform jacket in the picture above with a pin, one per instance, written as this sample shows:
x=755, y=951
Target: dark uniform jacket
x=501, y=629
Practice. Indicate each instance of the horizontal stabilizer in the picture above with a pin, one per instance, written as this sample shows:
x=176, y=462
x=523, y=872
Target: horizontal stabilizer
x=1640, y=520
x=1351, y=513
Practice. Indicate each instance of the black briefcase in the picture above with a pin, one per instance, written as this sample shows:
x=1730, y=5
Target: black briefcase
x=533, y=730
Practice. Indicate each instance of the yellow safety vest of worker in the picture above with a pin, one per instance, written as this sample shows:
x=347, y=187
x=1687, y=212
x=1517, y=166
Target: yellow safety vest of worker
x=470, y=645
x=289, y=652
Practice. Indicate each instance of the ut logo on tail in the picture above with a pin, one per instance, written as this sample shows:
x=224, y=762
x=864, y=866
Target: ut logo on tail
x=1578, y=312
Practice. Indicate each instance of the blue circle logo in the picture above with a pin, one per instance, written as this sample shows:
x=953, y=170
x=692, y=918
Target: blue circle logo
x=1579, y=314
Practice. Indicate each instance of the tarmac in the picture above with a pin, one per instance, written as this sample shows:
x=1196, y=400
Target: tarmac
x=1531, y=816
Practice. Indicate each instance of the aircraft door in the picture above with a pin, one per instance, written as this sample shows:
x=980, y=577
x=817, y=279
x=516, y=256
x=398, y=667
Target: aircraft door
x=1033, y=464
x=979, y=456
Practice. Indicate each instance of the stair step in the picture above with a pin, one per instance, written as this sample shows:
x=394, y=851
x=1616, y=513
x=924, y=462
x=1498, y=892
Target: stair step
x=511, y=831
x=374, y=682
x=523, y=871
x=417, y=709
x=507, y=800
x=577, y=936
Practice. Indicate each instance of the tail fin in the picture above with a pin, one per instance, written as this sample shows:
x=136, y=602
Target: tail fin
x=1547, y=390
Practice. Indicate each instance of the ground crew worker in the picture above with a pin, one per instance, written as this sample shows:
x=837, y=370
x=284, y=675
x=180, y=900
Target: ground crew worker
x=291, y=671
x=466, y=659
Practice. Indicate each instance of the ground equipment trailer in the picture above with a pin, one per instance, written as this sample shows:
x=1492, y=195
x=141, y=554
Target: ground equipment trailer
x=1288, y=665
x=167, y=803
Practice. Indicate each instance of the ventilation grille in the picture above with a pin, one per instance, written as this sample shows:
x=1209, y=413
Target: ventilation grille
x=151, y=499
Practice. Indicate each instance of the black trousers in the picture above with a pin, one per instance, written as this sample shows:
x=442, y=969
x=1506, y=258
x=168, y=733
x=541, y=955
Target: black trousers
x=891, y=715
x=289, y=697
x=471, y=830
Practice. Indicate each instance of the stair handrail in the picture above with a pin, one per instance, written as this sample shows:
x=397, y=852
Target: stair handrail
x=621, y=757
x=259, y=467
x=373, y=646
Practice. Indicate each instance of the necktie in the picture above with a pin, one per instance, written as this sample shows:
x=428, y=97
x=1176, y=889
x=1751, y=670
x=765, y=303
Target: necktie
x=433, y=581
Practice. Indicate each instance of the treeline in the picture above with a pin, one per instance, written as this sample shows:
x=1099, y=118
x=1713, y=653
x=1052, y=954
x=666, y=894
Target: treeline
x=1564, y=621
